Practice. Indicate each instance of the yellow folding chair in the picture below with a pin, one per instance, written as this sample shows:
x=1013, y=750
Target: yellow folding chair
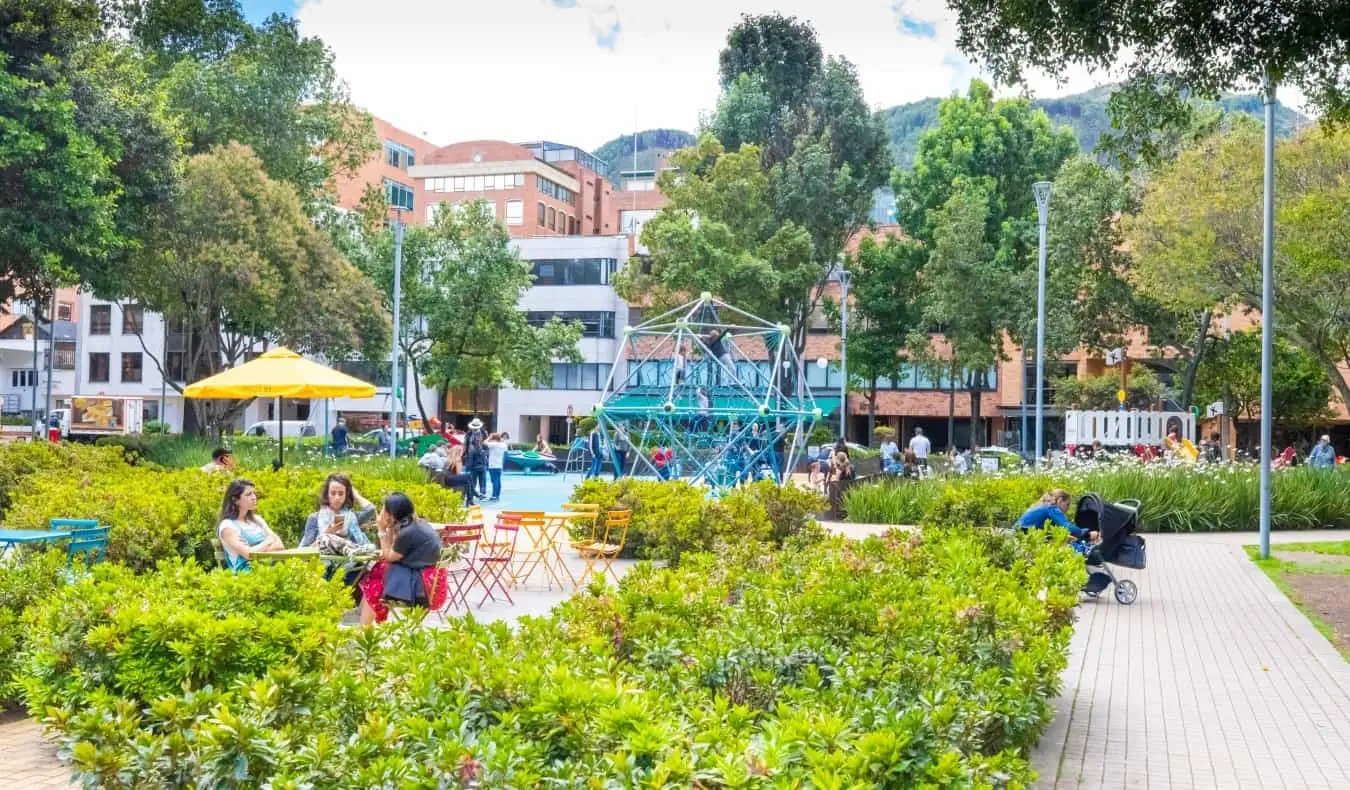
x=608, y=549
x=586, y=513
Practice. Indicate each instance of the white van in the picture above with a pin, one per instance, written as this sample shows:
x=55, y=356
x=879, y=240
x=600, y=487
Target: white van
x=290, y=428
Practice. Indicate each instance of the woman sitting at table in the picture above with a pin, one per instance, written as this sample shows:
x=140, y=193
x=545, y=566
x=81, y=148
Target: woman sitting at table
x=242, y=531
x=406, y=572
x=336, y=525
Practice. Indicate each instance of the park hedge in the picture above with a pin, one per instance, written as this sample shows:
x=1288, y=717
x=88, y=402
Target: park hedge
x=906, y=660
x=1181, y=498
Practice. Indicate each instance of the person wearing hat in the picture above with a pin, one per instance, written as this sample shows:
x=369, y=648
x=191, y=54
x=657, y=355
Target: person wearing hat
x=476, y=456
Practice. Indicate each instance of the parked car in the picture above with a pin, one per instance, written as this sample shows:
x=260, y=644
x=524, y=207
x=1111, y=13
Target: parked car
x=290, y=428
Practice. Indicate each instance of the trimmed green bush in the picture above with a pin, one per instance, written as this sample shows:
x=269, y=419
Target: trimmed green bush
x=141, y=638
x=27, y=578
x=1175, y=498
x=902, y=661
x=672, y=517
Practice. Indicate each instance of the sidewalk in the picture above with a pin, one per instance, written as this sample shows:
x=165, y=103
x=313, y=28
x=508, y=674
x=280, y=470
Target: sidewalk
x=1212, y=679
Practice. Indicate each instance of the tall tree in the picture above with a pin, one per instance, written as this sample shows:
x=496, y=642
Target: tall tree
x=884, y=312
x=86, y=149
x=265, y=86
x=1201, y=46
x=796, y=141
x=234, y=261
x=968, y=200
x=479, y=336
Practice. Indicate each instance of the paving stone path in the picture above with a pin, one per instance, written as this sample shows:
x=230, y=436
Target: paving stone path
x=1212, y=679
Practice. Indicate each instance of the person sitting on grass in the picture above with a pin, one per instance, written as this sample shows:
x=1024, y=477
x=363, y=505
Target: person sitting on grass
x=406, y=572
x=1053, y=508
x=241, y=530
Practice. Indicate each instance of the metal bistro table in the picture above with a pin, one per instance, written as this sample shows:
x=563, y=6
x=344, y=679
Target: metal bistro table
x=9, y=538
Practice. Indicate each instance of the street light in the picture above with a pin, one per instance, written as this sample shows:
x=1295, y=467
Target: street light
x=1267, y=311
x=398, y=297
x=844, y=277
x=1041, y=189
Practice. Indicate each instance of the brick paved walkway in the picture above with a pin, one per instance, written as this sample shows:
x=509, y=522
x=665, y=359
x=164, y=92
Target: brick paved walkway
x=29, y=760
x=1212, y=679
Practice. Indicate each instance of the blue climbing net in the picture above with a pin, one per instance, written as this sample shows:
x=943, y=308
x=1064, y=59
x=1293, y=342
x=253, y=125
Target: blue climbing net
x=722, y=389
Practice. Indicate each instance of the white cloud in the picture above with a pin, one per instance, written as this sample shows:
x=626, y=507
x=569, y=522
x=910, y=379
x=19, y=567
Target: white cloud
x=584, y=71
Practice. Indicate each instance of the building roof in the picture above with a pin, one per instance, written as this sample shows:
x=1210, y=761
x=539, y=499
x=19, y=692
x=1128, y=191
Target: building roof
x=547, y=151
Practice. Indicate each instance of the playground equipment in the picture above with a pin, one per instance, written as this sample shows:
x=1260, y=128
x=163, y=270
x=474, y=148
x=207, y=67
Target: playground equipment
x=529, y=461
x=1129, y=429
x=723, y=389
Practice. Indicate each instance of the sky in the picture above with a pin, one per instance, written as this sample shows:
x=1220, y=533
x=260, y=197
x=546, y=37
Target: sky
x=585, y=71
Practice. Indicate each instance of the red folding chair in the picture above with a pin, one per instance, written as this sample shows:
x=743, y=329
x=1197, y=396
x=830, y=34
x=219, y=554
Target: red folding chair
x=494, y=560
x=463, y=574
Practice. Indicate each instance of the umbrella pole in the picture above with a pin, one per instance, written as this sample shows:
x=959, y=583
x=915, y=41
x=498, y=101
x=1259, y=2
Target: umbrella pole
x=281, y=437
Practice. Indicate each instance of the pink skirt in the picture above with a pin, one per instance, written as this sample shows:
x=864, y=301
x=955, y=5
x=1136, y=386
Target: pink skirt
x=434, y=580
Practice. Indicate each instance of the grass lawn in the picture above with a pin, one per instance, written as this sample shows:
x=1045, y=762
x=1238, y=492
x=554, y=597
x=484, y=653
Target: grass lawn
x=1320, y=588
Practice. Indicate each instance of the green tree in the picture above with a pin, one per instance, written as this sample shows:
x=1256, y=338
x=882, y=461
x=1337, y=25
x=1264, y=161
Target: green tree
x=86, y=151
x=761, y=213
x=265, y=86
x=1197, y=237
x=968, y=201
x=1101, y=393
x=479, y=336
x=234, y=261
x=884, y=312
x=1201, y=46
x=1231, y=373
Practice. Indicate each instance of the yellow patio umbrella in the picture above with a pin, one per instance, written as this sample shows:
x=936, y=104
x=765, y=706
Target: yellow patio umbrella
x=279, y=373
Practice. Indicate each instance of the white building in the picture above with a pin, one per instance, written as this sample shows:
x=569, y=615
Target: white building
x=574, y=281
x=24, y=364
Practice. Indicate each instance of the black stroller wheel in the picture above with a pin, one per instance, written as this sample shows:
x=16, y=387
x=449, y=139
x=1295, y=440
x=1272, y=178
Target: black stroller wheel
x=1126, y=592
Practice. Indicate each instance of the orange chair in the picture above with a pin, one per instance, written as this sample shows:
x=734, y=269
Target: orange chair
x=462, y=569
x=589, y=513
x=495, y=558
x=608, y=549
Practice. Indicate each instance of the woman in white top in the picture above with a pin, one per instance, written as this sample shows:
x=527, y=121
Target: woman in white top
x=496, y=448
x=242, y=531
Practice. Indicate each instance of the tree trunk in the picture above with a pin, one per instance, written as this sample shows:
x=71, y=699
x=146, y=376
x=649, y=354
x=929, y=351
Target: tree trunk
x=872, y=410
x=1193, y=364
x=417, y=391
x=951, y=411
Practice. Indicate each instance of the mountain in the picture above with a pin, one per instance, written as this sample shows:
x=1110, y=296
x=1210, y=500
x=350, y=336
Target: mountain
x=1084, y=113
x=617, y=154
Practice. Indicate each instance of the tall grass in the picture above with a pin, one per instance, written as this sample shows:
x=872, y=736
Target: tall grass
x=1175, y=498
x=250, y=452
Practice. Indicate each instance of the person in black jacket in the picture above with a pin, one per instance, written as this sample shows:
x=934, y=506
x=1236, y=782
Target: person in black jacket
x=596, y=444
x=476, y=456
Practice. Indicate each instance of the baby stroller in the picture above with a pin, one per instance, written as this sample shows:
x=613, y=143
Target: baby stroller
x=1118, y=545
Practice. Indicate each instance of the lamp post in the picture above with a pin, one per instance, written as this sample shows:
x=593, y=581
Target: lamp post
x=398, y=297
x=844, y=277
x=1267, y=310
x=1041, y=189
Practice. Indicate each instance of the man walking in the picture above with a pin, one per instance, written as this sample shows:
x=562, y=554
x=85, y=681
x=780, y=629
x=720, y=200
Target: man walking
x=921, y=447
x=1323, y=456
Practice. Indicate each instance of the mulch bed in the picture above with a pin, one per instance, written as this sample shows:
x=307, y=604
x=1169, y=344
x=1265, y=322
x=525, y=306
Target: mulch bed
x=1328, y=596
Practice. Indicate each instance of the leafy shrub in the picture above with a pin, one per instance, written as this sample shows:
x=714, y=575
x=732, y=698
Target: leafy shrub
x=140, y=638
x=884, y=433
x=157, y=513
x=902, y=661
x=19, y=460
x=28, y=577
x=821, y=434
x=672, y=517
x=1175, y=498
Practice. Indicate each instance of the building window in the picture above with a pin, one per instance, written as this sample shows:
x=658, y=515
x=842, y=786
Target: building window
x=434, y=210
x=133, y=319
x=583, y=376
x=543, y=215
x=398, y=195
x=175, y=365
x=573, y=271
x=552, y=219
x=64, y=310
x=571, y=226
x=99, y=367
x=556, y=191
x=63, y=356
x=398, y=155
x=515, y=212
x=131, y=367
x=593, y=324
x=23, y=378
x=100, y=319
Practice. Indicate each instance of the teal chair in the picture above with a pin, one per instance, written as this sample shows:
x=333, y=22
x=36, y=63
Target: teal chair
x=72, y=523
x=89, y=544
